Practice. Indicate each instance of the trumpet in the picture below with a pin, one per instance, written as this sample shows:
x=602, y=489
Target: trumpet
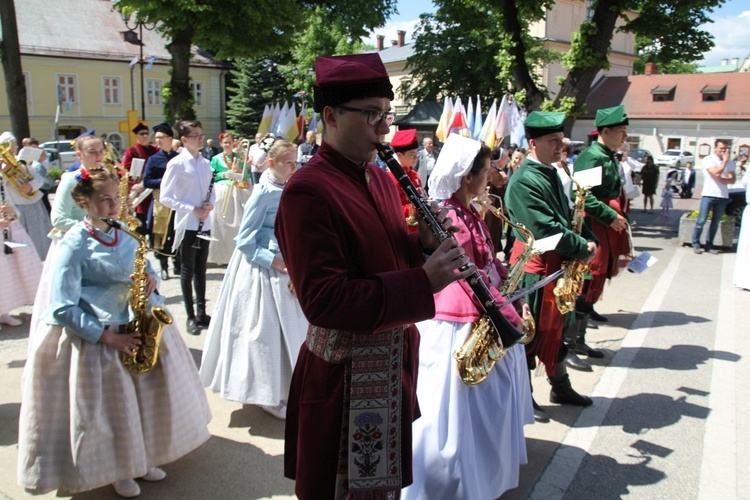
x=14, y=172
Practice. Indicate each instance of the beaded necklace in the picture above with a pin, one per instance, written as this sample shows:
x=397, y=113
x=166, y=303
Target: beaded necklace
x=92, y=231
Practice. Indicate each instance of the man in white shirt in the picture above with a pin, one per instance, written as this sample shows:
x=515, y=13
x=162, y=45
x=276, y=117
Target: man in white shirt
x=718, y=173
x=187, y=188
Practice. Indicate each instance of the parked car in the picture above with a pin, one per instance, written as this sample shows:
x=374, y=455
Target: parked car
x=736, y=203
x=638, y=155
x=674, y=158
x=53, y=158
x=67, y=154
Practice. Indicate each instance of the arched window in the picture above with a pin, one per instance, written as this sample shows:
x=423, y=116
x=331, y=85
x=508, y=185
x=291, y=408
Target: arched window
x=116, y=141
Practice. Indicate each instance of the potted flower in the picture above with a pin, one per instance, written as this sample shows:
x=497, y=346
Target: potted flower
x=724, y=236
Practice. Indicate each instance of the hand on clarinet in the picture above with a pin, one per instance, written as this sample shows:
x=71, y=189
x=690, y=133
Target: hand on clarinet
x=204, y=211
x=442, y=266
x=426, y=235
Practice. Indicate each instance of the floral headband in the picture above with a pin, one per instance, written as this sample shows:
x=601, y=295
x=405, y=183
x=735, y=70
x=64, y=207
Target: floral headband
x=83, y=175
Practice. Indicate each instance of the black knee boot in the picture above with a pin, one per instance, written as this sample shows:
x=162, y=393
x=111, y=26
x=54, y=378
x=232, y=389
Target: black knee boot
x=571, y=358
x=539, y=414
x=562, y=392
x=580, y=341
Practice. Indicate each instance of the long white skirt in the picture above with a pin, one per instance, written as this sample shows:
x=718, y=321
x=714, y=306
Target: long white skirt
x=469, y=441
x=255, y=335
x=35, y=219
x=225, y=229
x=20, y=270
x=87, y=422
x=742, y=260
x=43, y=297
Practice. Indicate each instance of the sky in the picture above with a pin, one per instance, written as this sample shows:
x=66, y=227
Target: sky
x=730, y=27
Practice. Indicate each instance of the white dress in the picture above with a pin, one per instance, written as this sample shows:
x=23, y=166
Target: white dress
x=226, y=224
x=20, y=271
x=258, y=326
x=742, y=259
x=469, y=441
x=85, y=421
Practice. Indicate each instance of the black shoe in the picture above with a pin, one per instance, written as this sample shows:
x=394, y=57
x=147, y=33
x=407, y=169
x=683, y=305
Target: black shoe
x=192, y=327
x=539, y=414
x=573, y=361
x=203, y=320
x=164, y=275
x=562, y=393
x=584, y=349
x=597, y=317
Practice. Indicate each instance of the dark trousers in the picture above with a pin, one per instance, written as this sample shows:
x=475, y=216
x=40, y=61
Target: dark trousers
x=193, y=269
x=166, y=249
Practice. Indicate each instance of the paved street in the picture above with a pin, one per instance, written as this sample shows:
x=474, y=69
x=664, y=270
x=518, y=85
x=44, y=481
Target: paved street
x=669, y=420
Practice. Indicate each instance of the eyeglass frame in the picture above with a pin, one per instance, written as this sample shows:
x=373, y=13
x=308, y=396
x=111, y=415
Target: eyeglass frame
x=493, y=165
x=388, y=116
x=202, y=136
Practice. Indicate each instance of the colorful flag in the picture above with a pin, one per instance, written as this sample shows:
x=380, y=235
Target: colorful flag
x=133, y=61
x=487, y=133
x=150, y=62
x=265, y=121
x=287, y=126
x=316, y=124
x=470, y=117
x=502, y=123
x=442, y=130
x=477, y=126
x=458, y=124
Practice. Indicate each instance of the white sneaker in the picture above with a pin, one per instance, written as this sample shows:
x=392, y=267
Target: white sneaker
x=9, y=320
x=154, y=474
x=127, y=488
x=278, y=411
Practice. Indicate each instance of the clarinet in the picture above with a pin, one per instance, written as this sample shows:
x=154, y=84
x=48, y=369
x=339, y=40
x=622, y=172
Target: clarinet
x=508, y=334
x=196, y=243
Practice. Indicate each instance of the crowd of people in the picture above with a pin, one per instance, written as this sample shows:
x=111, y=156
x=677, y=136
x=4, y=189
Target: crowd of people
x=351, y=337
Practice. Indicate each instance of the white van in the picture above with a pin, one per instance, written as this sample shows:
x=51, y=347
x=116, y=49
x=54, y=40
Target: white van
x=66, y=152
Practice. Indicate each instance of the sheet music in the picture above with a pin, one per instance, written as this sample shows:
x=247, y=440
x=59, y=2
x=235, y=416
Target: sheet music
x=136, y=168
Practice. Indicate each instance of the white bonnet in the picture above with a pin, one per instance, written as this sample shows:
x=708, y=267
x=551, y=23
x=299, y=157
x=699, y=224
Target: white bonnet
x=7, y=137
x=454, y=162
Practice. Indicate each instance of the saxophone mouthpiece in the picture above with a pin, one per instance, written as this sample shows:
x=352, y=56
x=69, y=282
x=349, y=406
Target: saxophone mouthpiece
x=111, y=222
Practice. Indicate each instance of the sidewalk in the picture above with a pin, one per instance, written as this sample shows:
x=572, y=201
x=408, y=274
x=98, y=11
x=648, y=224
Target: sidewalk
x=669, y=420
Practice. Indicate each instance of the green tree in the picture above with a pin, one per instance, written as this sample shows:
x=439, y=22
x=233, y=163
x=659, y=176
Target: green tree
x=238, y=28
x=669, y=30
x=324, y=33
x=255, y=82
x=15, y=86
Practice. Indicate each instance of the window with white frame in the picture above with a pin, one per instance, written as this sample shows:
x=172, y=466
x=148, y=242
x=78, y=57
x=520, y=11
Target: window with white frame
x=27, y=83
x=112, y=89
x=67, y=89
x=115, y=140
x=153, y=92
x=197, y=90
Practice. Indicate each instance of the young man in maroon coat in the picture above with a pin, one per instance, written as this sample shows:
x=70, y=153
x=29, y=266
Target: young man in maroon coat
x=142, y=149
x=362, y=282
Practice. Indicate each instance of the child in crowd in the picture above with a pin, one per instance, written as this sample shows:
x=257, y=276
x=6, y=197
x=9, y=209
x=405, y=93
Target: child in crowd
x=86, y=421
x=666, y=199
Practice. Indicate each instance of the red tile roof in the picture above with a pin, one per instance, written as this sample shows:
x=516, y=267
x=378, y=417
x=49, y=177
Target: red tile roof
x=635, y=92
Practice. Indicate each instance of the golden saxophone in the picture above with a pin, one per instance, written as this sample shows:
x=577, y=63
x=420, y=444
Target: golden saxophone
x=13, y=171
x=492, y=334
x=517, y=271
x=570, y=284
x=124, y=191
x=149, y=320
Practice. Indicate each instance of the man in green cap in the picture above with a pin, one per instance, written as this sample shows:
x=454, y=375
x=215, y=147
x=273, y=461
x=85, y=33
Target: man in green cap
x=536, y=198
x=604, y=211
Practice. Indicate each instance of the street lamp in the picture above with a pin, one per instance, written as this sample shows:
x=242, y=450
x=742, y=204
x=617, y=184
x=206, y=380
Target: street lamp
x=130, y=36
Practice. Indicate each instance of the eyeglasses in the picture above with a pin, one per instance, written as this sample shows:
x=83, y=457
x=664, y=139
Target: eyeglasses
x=495, y=166
x=195, y=136
x=160, y=137
x=143, y=133
x=374, y=117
